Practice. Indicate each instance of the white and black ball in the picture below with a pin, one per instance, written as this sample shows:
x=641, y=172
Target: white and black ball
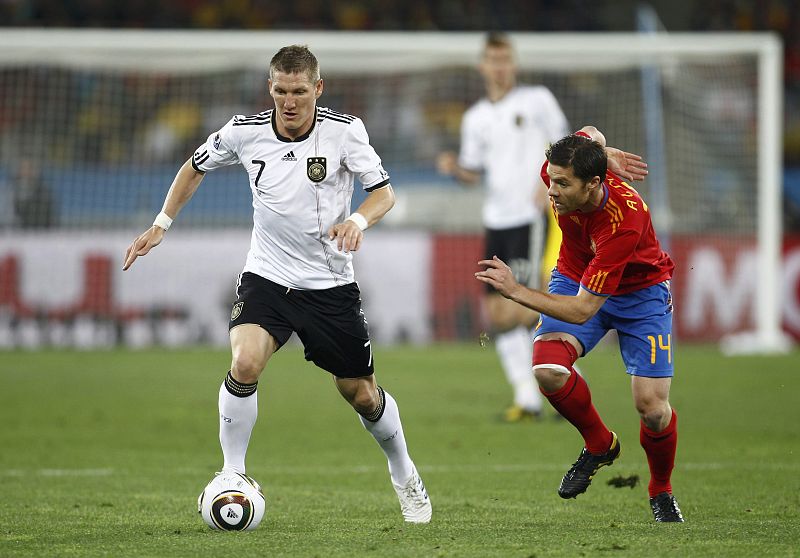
x=232, y=502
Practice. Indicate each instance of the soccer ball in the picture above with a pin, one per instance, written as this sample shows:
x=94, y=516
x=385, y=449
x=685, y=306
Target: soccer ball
x=231, y=502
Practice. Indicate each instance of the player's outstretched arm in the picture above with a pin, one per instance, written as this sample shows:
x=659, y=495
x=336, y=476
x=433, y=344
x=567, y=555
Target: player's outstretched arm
x=573, y=309
x=350, y=233
x=180, y=192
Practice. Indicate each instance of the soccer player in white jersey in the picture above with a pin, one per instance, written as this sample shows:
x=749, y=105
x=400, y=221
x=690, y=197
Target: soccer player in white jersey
x=301, y=162
x=504, y=136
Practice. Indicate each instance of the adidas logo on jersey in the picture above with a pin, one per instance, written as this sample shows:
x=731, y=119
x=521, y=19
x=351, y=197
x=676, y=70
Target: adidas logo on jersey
x=289, y=157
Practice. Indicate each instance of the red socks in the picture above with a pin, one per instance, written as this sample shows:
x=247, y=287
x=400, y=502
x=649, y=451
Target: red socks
x=574, y=402
x=660, y=449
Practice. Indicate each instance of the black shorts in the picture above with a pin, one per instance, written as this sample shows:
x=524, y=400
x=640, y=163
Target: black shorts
x=329, y=322
x=513, y=246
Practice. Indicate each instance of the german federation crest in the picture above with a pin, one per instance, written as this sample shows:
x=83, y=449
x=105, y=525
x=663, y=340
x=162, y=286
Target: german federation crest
x=237, y=310
x=316, y=169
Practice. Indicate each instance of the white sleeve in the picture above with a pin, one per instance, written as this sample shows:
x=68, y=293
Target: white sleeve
x=219, y=150
x=558, y=125
x=360, y=158
x=472, y=151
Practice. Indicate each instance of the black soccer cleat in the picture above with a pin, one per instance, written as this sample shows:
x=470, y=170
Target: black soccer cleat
x=579, y=477
x=665, y=508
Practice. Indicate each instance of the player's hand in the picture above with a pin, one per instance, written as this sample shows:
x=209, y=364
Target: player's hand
x=446, y=163
x=348, y=236
x=627, y=165
x=149, y=239
x=498, y=275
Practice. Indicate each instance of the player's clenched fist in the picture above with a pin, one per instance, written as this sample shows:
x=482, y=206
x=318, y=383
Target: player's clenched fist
x=348, y=236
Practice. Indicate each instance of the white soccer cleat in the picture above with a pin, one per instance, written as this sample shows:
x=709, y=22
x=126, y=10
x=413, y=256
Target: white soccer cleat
x=414, y=501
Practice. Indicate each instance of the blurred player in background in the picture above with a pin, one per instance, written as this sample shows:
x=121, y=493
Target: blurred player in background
x=502, y=135
x=301, y=161
x=611, y=274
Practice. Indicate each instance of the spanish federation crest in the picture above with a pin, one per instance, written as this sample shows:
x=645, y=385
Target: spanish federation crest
x=316, y=169
x=237, y=310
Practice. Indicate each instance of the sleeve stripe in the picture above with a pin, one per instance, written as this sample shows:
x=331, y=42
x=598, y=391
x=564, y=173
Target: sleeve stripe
x=597, y=281
x=615, y=215
x=349, y=117
x=195, y=167
x=251, y=119
x=615, y=208
x=259, y=116
x=378, y=185
x=254, y=122
x=593, y=292
x=200, y=159
x=337, y=119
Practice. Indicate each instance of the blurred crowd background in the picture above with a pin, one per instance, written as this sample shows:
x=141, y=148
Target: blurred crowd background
x=87, y=153
x=175, y=128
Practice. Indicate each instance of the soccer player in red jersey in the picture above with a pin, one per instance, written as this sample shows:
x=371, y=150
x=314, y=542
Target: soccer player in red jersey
x=611, y=274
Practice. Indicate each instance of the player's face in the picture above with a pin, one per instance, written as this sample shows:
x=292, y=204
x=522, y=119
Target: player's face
x=498, y=67
x=569, y=193
x=295, y=97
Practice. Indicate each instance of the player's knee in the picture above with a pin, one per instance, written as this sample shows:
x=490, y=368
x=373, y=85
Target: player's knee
x=655, y=414
x=552, y=363
x=360, y=398
x=364, y=402
x=246, y=367
x=550, y=379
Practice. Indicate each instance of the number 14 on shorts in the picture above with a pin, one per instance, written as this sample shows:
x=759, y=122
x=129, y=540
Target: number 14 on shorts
x=660, y=346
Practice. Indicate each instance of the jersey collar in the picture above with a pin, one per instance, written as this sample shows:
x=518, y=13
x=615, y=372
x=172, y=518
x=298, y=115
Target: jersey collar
x=606, y=193
x=298, y=138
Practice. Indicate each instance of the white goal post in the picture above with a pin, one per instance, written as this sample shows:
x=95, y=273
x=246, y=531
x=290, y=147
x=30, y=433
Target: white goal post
x=578, y=66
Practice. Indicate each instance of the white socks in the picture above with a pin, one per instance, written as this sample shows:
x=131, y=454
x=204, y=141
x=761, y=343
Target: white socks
x=237, y=416
x=388, y=432
x=515, y=349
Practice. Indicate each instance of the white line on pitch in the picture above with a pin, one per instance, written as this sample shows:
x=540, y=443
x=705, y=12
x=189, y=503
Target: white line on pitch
x=502, y=468
x=58, y=472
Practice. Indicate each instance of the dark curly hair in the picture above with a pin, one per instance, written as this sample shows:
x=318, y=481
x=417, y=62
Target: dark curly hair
x=586, y=157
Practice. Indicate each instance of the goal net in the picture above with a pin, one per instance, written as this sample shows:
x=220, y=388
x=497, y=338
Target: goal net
x=94, y=124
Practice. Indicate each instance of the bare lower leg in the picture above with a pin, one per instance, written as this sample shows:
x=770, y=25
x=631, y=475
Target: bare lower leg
x=361, y=393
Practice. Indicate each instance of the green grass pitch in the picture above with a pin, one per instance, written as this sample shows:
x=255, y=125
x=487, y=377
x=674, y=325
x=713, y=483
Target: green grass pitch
x=104, y=453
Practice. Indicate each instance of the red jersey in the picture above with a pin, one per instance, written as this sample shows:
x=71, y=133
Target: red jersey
x=613, y=249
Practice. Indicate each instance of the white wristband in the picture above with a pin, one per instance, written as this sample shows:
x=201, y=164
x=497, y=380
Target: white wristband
x=163, y=220
x=359, y=220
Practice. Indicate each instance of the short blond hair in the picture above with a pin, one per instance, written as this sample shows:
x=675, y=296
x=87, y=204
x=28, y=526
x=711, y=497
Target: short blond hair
x=295, y=59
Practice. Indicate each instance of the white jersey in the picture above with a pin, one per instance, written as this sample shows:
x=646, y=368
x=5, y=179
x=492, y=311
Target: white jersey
x=300, y=189
x=507, y=139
